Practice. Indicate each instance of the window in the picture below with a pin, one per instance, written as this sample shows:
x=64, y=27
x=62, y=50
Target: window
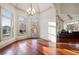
x=34, y=26
x=6, y=23
x=52, y=31
x=72, y=26
x=22, y=25
x=6, y=13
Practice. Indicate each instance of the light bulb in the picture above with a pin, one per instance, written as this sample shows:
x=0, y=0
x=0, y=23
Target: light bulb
x=31, y=11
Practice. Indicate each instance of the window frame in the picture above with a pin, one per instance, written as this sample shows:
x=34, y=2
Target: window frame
x=18, y=32
x=11, y=24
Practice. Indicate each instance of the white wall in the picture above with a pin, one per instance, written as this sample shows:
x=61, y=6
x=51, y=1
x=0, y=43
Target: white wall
x=45, y=17
x=44, y=25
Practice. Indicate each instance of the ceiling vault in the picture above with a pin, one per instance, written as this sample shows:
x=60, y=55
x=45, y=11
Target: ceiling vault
x=39, y=12
x=70, y=17
x=59, y=18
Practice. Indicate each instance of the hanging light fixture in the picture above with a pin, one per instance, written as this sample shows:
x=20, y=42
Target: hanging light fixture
x=31, y=11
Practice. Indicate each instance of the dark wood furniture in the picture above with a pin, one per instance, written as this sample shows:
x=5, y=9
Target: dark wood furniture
x=69, y=37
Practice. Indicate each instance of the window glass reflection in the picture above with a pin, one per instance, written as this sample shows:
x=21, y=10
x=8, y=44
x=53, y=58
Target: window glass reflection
x=6, y=13
x=22, y=25
x=52, y=31
x=6, y=26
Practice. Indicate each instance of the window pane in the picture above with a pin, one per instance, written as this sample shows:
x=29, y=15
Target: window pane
x=52, y=30
x=5, y=21
x=34, y=19
x=22, y=25
x=6, y=25
x=52, y=24
x=6, y=13
x=21, y=19
x=52, y=37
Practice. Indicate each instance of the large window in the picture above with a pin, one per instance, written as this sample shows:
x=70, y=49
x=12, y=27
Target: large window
x=72, y=26
x=6, y=13
x=52, y=31
x=5, y=23
x=22, y=25
x=6, y=26
x=34, y=28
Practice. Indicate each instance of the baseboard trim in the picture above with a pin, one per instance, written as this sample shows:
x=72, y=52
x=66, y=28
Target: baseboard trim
x=45, y=39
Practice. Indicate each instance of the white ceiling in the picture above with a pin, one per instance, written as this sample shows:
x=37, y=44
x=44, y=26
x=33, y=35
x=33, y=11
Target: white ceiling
x=39, y=7
x=66, y=18
x=65, y=9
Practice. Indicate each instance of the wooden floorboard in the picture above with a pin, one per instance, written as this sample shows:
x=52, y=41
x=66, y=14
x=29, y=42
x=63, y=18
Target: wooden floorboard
x=27, y=47
x=40, y=47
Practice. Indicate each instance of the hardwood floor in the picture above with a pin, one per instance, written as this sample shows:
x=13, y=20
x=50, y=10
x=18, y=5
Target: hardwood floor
x=67, y=48
x=40, y=47
x=28, y=47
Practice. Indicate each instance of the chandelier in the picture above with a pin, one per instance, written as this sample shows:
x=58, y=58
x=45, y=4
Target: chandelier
x=31, y=11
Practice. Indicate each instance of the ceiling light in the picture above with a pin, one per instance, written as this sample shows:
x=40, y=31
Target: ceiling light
x=31, y=11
